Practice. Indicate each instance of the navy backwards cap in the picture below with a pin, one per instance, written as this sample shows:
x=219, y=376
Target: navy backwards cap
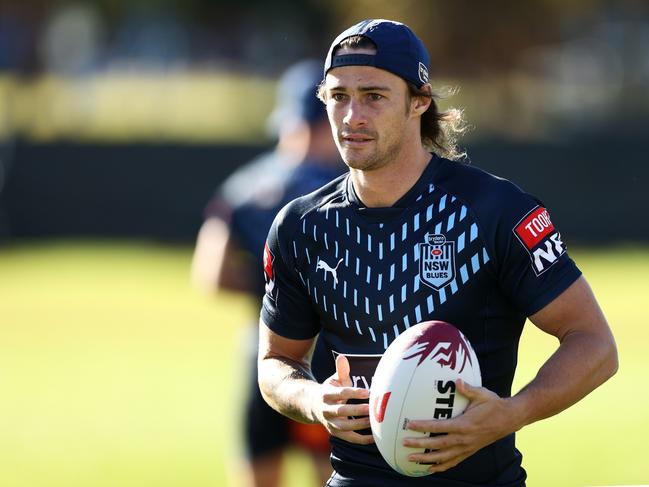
x=296, y=98
x=398, y=50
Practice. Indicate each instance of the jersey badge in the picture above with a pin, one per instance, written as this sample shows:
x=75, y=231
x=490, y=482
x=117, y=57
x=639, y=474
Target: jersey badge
x=436, y=261
x=537, y=235
x=269, y=273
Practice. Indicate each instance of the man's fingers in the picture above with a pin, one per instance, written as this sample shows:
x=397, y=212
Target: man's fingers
x=345, y=393
x=470, y=392
x=344, y=424
x=432, y=442
x=346, y=410
x=342, y=371
x=439, y=460
x=434, y=425
x=342, y=418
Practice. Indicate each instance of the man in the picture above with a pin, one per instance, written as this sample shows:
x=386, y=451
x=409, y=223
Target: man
x=229, y=249
x=504, y=258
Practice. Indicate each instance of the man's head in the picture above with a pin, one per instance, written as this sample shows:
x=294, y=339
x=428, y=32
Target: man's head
x=296, y=101
x=388, y=53
x=367, y=73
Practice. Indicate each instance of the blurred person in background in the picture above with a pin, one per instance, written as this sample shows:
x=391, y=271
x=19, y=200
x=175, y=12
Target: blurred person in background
x=230, y=248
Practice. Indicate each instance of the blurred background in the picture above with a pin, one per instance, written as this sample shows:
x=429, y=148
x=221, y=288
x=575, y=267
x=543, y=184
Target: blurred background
x=118, y=119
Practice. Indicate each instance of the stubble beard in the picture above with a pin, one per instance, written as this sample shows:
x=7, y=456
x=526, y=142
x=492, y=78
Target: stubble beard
x=372, y=160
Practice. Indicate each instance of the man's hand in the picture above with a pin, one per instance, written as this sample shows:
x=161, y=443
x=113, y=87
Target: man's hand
x=333, y=411
x=487, y=419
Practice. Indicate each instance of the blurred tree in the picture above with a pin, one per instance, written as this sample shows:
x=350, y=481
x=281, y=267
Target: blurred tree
x=468, y=38
x=464, y=37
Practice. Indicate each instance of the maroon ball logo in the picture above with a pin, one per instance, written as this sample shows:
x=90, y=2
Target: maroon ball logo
x=442, y=343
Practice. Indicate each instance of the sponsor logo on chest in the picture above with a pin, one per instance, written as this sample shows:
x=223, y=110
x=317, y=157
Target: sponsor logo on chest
x=436, y=261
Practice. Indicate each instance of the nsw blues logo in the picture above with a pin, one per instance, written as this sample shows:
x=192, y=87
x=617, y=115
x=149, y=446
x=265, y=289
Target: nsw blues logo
x=436, y=261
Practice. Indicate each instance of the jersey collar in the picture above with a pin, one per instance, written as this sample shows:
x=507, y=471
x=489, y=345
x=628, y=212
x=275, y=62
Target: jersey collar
x=419, y=188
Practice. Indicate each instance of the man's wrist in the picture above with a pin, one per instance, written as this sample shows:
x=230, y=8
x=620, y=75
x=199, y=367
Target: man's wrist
x=519, y=411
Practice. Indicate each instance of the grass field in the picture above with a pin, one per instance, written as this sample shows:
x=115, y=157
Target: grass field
x=115, y=372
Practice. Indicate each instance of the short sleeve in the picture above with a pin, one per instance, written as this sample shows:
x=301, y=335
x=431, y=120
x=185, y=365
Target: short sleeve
x=286, y=308
x=534, y=265
x=218, y=207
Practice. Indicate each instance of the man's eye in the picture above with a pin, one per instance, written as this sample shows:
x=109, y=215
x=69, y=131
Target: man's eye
x=338, y=96
x=375, y=96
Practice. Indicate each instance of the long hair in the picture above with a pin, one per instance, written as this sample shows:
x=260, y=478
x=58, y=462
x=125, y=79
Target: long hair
x=440, y=131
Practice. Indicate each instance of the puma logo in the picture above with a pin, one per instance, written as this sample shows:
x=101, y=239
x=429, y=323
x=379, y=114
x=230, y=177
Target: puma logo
x=327, y=268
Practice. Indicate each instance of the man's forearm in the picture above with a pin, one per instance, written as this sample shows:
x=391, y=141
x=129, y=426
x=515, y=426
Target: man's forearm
x=582, y=362
x=288, y=387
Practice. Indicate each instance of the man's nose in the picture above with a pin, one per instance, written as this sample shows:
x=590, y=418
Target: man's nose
x=355, y=116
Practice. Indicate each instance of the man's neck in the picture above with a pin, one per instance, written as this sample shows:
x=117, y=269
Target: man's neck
x=383, y=187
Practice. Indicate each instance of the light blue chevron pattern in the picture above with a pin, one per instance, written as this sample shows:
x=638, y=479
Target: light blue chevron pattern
x=376, y=291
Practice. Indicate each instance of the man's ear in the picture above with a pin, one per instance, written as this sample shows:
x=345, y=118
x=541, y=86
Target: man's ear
x=419, y=104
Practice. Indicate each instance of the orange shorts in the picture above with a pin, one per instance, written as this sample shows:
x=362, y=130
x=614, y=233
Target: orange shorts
x=312, y=437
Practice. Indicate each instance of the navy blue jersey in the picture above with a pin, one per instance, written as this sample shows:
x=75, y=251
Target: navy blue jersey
x=462, y=246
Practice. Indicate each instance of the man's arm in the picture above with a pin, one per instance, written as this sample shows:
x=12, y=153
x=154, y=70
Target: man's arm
x=286, y=382
x=219, y=263
x=586, y=357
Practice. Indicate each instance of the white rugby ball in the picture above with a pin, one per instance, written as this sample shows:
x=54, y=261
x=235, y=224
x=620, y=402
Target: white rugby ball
x=415, y=379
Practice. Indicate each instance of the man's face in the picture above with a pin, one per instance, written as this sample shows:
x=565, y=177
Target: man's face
x=370, y=114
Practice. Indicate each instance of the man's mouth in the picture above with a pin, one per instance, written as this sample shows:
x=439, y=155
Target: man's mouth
x=356, y=139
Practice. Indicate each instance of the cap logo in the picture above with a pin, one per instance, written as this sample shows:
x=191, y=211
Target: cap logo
x=423, y=73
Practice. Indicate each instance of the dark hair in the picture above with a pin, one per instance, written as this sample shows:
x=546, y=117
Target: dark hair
x=356, y=42
x=439, y=130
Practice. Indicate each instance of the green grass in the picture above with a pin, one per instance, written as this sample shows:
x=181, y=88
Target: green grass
x=602, y=440
x=115, y=372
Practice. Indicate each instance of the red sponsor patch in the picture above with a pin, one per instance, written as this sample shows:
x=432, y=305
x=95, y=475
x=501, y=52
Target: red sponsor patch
x=268, y=262
x=534, y=227
x=379, y=407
